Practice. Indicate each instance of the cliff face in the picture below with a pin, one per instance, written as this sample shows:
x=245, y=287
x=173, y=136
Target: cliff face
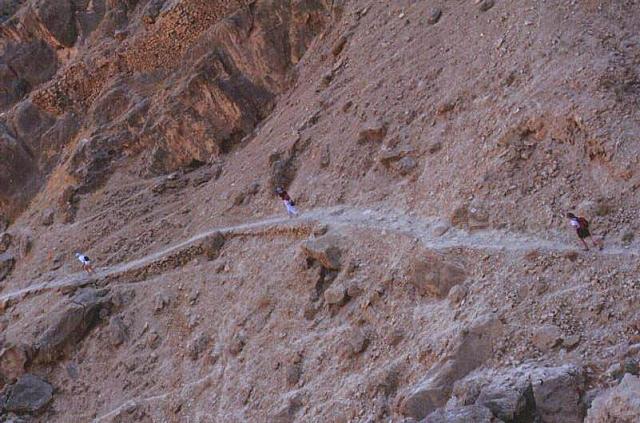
x=161, y=83
x=432, y=148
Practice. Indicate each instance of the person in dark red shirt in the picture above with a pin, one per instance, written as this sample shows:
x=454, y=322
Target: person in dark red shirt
x=582, y=229
x=288, y=202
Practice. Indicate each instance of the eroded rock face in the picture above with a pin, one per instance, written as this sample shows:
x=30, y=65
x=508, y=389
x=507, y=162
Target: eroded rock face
x=222, y=66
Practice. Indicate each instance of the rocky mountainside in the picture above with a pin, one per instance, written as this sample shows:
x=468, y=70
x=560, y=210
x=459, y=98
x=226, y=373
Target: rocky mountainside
x=433, y=149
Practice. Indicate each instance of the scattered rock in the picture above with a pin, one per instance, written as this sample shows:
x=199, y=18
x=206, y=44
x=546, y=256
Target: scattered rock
x=335, y=294
x=121, y=35
x=237, y=343
x=464, y=414
x=7, y=262
x=620, y=404
x=627, y=237
x=440, y=228
x=547, y=337
x=571, y=341
x=457, y=294
x=198, y=345
x=12, y=363
x=486, y=5
x=387, y=157
x=339, y=45
x=406, y=165
x=358, y=341
x=320, y=229
x=4, y=222
x=212, y=245
x=47, y=218
x=293, y=373
x=373, y=132
x=5, y=242
x=435, y=147
x=161, y=300
x=287, y=412
x=29, y=395
x=434, y=16
x=117, y=331
x=325, y=250
x=432, y=275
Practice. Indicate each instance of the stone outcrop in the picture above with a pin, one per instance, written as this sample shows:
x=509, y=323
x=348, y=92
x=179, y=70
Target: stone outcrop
x=470, y=349
x=70, y=324
x=434, y=275
x=223, y=63
x=620, y=404
x=465, y=414
x=29, y=395
x=326, y=250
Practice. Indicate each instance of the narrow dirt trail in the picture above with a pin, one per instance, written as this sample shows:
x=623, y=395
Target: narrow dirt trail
x=422, y=229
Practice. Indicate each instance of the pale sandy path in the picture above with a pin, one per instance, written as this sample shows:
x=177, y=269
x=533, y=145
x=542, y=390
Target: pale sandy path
x=422, y=229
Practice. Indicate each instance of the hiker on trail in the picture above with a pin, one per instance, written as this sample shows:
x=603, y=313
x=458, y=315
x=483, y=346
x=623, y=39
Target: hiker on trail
x=288, y=202
x=582, y=228
x=86, y=263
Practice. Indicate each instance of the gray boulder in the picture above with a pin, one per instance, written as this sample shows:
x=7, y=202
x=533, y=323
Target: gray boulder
x=464, y=414
x=557, y=392
x=620, y=404
x=29, y=395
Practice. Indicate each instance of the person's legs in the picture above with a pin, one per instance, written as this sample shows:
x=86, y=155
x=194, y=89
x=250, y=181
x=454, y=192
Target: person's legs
x=291, y=210
x=586, y=247
x=597, y=243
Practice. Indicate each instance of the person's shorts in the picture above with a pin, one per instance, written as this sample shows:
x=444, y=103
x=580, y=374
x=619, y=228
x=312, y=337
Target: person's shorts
x=583, y=233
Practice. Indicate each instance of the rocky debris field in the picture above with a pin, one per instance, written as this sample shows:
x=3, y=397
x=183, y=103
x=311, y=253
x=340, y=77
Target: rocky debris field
x=433, y=149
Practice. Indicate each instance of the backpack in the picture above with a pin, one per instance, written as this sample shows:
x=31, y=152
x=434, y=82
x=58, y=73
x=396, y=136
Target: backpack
x=584, y=223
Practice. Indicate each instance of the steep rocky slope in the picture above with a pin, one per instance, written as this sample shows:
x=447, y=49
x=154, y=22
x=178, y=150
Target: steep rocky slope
x=433, y=148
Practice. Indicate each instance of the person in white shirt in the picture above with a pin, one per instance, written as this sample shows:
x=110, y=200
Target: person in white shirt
x=86, y=263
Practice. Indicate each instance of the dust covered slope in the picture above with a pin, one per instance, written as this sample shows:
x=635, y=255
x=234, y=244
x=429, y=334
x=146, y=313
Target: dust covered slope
x=433, y=149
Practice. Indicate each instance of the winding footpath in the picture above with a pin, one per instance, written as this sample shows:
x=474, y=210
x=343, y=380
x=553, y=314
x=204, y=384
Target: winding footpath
x=423, y=230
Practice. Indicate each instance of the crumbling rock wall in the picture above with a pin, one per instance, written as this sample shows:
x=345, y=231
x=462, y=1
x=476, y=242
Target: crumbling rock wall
x=170, y=82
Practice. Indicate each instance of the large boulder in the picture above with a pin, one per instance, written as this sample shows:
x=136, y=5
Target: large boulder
x=29, y=395
x=12, y=363
x=558, y=392
x=620, y=404
x=510, y=400
x=433, y=275
x=464, y=414
x=471, y=348
x=71, y=324
x=325, y=250
x=212, y=245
